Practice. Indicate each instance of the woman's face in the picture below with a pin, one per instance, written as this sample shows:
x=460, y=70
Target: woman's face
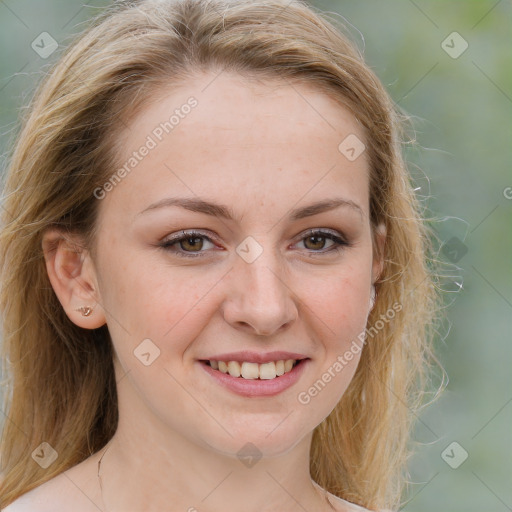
x=251, y=282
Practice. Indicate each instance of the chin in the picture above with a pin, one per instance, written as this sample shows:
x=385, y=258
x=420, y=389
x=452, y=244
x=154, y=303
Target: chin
x=268, y=441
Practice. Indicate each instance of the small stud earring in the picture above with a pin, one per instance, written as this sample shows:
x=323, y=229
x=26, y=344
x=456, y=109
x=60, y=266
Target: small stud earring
x=85, y=310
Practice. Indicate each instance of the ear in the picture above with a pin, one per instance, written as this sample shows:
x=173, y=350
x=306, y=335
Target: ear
x=73, y=277
x=379, y=242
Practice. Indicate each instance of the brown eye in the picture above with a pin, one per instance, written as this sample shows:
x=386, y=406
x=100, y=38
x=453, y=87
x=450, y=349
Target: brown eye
x=315, y=241
x=190, y=244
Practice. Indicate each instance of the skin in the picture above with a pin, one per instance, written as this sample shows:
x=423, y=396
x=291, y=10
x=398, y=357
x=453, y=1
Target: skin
x=263, y=148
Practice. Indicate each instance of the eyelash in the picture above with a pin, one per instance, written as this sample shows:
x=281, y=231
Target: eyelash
x=340, y=243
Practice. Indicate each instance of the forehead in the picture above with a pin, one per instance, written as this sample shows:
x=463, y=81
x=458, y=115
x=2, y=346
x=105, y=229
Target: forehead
x=245, y=142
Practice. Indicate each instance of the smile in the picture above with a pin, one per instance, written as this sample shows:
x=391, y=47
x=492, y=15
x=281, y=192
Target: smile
x=251, y=379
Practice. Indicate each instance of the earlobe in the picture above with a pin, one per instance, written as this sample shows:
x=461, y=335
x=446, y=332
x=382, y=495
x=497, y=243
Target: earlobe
x=73, y=278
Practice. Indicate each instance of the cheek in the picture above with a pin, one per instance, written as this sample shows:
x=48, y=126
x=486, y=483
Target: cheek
x=338, y=309
x=339, y=318
x=144, y=300
x=340, y=302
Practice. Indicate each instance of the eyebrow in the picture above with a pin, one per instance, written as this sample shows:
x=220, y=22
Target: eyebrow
x=225, y=212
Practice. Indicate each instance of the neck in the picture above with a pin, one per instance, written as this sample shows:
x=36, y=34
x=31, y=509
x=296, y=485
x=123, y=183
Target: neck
x=147, y=466
x=145, y=477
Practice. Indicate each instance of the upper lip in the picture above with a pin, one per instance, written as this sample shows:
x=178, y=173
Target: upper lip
x=256, y=357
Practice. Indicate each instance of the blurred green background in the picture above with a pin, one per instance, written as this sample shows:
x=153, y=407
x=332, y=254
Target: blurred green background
x=461, y=103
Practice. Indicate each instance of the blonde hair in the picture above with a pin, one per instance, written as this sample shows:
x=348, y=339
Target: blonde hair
x=61, y=383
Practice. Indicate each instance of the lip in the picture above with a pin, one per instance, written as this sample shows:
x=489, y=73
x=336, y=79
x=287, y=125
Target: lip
x=257, y=387
x=255, y=357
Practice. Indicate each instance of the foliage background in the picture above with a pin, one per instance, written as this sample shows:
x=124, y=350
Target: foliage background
x=462, y=112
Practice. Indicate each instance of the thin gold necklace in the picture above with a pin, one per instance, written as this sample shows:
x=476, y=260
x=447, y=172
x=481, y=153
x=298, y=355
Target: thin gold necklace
x=99, y=479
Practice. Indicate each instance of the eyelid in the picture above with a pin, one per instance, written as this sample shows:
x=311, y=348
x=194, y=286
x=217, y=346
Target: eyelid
x=328, y=231
x=187, y=232
x=198, y=232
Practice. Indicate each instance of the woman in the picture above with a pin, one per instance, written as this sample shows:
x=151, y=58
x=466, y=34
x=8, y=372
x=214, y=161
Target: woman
x=215, y=285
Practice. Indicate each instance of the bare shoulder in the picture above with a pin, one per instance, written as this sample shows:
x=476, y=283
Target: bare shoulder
x=66, y=491
x=40, y=499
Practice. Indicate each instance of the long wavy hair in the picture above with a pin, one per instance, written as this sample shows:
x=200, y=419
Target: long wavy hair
x=59, y=382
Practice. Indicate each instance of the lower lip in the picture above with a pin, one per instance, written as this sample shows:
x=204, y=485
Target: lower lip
x=257, y=387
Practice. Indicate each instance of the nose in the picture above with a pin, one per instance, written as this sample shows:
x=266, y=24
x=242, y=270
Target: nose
x=259, y=298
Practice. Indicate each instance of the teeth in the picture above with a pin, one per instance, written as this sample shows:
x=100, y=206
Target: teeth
x=268, y=371
x=234, y=369
x=246, y=370
x=250, y=370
